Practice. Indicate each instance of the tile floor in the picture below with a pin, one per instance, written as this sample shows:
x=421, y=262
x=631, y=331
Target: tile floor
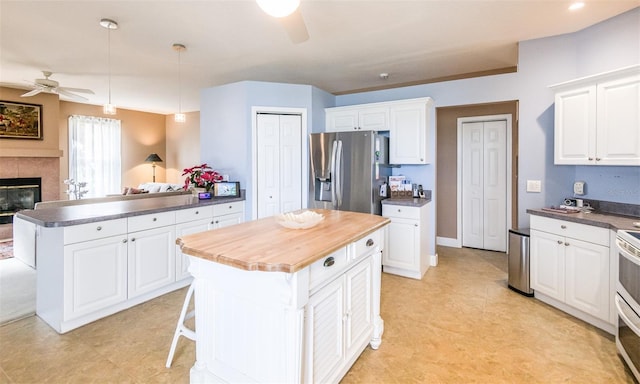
x=460, y=324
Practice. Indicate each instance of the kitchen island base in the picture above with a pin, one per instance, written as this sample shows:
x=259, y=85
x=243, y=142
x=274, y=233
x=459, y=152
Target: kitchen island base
x=307, y=324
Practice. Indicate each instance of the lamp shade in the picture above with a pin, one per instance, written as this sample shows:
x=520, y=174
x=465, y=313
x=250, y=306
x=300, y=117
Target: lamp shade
x=153, y=158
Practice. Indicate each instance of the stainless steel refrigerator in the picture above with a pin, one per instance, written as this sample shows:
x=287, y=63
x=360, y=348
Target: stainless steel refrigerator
x=347, y=170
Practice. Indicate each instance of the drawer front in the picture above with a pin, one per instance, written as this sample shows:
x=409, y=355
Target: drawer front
x=93, y=231
x=226, y=208
x=400, y=211
x=368, y=244
x=327, y=268
x=588, y=233
x=191, y=214
x=154, y=220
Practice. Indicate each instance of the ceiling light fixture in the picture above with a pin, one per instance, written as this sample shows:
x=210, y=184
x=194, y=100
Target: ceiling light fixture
x=109, y=109
x=179, y=117
x=577, y=5
x=383, y=76
x=278, y=8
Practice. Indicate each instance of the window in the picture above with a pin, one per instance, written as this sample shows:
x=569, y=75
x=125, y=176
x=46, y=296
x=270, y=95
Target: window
x=94, y=154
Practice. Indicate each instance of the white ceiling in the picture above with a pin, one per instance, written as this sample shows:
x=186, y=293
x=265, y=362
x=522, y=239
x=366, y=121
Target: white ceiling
x=350, y=44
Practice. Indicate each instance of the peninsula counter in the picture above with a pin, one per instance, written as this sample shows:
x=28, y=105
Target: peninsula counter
x=284, y=305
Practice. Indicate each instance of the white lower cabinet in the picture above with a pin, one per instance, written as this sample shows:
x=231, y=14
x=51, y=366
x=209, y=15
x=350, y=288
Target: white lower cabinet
x=407, y=252
x=95, y=275
x=93, y=270
x=570, y=268
x=151, y=258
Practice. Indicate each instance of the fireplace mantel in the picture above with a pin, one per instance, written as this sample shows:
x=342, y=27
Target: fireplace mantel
x=27, y=152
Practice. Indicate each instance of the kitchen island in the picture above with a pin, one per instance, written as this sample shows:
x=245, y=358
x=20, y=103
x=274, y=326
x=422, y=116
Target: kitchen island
x=285, y=305
x=97, y=259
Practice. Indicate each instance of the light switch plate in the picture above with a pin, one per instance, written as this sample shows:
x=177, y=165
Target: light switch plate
x=534, y=186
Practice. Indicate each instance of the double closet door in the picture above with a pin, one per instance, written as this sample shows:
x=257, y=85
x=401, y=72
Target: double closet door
x=279, y=163
x=484, y=185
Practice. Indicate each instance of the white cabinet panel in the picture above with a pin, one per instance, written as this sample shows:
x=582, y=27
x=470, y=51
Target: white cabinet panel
x=183, y=229
x=407, y=247
x=96, y=230
x=95, y=275
x=576, y=272
x=597, y=119
x=152, y=261
x=357, y=118
x=359, y=321
x=408, y=137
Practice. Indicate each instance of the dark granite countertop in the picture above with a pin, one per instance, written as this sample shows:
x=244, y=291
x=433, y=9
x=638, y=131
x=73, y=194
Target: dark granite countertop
x=415, y=202
x=603, y=220
x=89, y=213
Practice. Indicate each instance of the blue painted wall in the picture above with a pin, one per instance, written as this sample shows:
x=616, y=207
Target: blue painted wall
x=612, y=44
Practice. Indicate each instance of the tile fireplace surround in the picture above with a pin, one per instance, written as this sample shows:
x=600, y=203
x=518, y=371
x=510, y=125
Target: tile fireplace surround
x=47, y=168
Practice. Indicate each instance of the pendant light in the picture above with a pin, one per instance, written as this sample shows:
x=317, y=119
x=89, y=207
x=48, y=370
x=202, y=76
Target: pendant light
x=109, y=109
x=278, y=8
x=179, y=117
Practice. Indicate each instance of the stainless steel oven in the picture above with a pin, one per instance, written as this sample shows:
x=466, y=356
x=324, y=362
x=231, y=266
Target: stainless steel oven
x=628, y=299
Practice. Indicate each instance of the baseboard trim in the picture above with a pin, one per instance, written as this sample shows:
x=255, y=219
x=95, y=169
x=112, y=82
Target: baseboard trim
x=448, y=242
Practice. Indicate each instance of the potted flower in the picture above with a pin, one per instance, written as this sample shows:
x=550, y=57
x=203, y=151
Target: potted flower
x=201, y=176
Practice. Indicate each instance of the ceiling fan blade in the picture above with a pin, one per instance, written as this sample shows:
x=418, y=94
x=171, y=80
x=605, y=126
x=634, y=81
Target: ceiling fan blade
x=69, y=94
x=295, y=27
x=80, y=90
x=32, y=93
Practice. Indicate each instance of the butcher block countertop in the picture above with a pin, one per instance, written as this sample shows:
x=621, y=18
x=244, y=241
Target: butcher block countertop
x=264, y=245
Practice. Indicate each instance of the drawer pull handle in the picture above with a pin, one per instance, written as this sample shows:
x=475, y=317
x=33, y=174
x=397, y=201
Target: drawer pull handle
x=155, y=219
x=99, y=228
x=370, y=242
x=329, y=261
x=563, y=226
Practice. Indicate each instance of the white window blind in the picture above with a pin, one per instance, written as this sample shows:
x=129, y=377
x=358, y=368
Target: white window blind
x=94, y=154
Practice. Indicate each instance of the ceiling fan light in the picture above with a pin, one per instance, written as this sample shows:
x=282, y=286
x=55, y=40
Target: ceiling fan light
x=180, y=117
x=109, y=109
x=278, y=8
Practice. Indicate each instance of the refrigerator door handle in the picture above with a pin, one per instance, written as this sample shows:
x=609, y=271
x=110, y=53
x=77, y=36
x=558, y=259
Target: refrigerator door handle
x=339, y=166
x=333, y=173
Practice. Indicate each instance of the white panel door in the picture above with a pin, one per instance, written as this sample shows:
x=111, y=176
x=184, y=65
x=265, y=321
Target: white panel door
x=547, y=264
x=587, y=277
x=484, y=185
x=279, y=164
x=268, y=136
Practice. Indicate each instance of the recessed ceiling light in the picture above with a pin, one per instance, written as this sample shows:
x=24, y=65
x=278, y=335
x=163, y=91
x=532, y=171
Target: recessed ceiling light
x=384, y=76
x=575, y=6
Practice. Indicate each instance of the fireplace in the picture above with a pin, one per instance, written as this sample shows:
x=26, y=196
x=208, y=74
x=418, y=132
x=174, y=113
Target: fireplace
x=17, y=194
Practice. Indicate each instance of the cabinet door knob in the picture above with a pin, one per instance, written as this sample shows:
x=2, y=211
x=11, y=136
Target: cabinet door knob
x=370, y=242
x=155, y=219
x=231, y=206
x=415, y=225
x=133, y=239
x=598, y=159
x=421, y=159
x=212, y=222
x=197, y=212
x=566, y=244
x=124, y=240
x=217, y=221
x=590, y=158
x=329, y=261
x=563, y=226
x=560, y=242
x=399, y=210
x=99, y=228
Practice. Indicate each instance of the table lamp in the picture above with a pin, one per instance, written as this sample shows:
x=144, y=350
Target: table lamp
x=153, y=158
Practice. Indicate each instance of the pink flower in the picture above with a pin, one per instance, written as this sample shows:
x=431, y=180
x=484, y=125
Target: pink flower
x=201, y=176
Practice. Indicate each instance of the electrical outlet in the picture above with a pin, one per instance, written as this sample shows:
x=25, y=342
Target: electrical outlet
x=534, y=186
x=578, y=188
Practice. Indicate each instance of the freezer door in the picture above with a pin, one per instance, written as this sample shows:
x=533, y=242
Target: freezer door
x=355, y=171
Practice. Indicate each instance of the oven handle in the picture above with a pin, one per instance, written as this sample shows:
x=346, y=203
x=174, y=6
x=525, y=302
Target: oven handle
x=634, y=259
x=623, y=314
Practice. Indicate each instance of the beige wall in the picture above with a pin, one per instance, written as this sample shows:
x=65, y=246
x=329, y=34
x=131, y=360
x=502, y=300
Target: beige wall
x=142, y=134
x=183, y=146
x=447, y=160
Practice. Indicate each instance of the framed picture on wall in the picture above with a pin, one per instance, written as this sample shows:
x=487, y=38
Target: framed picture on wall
x=226, y=189
x=20, y=120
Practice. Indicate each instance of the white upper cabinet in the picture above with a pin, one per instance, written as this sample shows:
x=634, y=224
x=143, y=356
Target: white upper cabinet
x=408, y=123
x=597, y=119
x=357, y=118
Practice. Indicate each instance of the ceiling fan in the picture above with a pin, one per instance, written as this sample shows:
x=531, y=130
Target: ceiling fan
x=289, y=15
x=51, y=86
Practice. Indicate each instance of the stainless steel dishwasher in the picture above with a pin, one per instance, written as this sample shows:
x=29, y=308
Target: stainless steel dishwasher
x=518, y=261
